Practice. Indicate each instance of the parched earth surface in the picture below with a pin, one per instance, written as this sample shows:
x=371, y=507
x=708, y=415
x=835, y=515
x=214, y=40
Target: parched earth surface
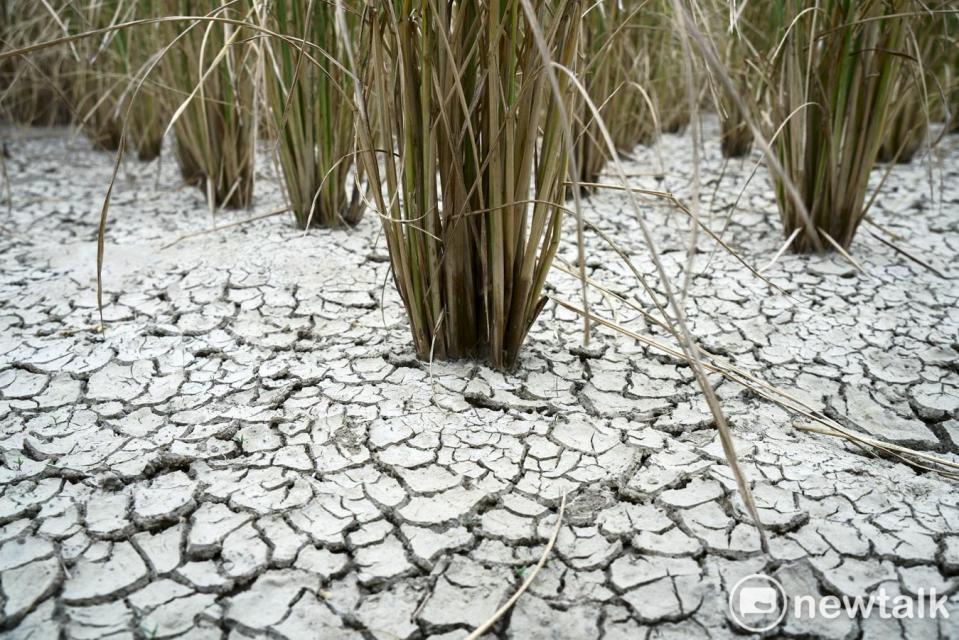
x=250, y=448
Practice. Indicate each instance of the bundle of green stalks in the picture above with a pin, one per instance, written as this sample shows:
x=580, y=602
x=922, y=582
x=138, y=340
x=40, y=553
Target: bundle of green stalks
x=951, y=115
x=665, y=69
x=107, y=74
x=611, y=68
x=599, y=70
x=632, y=115
x=933, y=57
x=910, y=100
x=632, y=69
x=308, y=94
x=947, y=94
x=736, y=139
x=739, y=37
x=34, y=89
x=653, y=55
x=148, y=115
x=471, y=194
x=100, y=77
x=830, y=89
x=907, y=126
x=208, y=79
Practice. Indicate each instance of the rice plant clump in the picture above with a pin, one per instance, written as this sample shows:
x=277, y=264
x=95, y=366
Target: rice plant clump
x=741, y=31
x=34, y=89
x=947, y=100
x=650, y=55
x=665, y=69
x=948, y=97
x=937, y=37
x=107, y=74
x=209, y=80
x=98, y=81
x=471, y=195
x=831, y=86
x=600, y=44
x=932, y=55
x=610, y=69
x=907, y=126
x=633, y=70
x=309, y=97
x=148, y=113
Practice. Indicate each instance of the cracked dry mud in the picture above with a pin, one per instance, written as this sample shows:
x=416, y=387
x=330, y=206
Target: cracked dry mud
x=251, y=450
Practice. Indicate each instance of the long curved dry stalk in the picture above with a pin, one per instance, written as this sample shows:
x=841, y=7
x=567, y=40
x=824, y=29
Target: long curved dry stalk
x=486, y=626
x=687, y=341
x=827, y=426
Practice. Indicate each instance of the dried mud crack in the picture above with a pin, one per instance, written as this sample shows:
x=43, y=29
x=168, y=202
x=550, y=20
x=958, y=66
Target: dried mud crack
x=250, y=450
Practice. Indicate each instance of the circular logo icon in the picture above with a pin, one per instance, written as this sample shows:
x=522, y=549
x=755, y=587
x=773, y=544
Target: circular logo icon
x=757, y=603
